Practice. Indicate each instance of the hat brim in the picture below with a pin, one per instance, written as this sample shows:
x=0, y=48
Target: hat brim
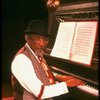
x=35, y=33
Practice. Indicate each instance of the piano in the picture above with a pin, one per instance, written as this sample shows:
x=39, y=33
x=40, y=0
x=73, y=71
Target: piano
x=67, y=11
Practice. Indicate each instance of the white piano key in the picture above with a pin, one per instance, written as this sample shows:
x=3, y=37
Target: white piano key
x=89, y=89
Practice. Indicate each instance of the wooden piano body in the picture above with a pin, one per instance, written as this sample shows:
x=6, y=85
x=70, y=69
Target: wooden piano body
x=75, y=10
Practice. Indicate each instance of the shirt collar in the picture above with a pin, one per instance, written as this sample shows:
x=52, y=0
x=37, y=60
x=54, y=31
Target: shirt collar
x=31, y=50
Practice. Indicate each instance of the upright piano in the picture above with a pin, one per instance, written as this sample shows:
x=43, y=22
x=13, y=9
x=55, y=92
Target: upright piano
x=68, y=11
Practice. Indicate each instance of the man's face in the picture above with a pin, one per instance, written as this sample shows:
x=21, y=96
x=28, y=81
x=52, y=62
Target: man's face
x=38, y=42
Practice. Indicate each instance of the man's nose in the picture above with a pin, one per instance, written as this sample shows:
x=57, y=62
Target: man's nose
x=42, y=42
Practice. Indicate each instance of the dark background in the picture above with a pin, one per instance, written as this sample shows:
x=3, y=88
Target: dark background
x=15, y=16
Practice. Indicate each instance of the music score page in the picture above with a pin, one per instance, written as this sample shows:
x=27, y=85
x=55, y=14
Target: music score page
x=75, y=41
x=63, y=40
x=83, y=43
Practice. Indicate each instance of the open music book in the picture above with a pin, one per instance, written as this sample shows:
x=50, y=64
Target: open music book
x=75, y=41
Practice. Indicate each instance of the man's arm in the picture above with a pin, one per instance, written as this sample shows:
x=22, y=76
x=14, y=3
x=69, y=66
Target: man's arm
x=24, y=72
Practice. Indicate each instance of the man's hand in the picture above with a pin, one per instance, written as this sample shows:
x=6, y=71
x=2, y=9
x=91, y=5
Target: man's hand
x=70, y=80
x=74, y=82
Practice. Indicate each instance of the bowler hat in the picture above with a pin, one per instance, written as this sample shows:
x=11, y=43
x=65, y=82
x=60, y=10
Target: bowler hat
x=38, y=27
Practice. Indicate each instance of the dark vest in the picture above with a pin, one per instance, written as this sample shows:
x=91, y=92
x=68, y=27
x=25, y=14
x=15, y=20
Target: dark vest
x=17, y=88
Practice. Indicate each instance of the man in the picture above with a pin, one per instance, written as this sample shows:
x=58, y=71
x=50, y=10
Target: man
x=31, y=77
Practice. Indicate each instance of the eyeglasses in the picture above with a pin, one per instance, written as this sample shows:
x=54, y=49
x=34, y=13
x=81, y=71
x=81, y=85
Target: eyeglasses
x=38, y=38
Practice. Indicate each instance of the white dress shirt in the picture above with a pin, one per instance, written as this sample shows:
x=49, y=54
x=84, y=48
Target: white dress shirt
x=24, y=72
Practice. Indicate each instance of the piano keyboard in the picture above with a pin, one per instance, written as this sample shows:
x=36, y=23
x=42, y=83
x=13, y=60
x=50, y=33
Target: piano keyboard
x=85, y=88
x=89, y=89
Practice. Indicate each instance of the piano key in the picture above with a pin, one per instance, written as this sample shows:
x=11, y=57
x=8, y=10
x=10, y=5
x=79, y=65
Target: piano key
x=54, y=73
x=86, y=88
x=89, y=89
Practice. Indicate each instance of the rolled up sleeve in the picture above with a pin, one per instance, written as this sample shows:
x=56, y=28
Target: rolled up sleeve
x=55, y=90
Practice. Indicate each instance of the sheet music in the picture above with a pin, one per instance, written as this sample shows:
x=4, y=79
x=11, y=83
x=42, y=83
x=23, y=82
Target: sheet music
x=63, y=41
x=84, y=40
x=75, y=41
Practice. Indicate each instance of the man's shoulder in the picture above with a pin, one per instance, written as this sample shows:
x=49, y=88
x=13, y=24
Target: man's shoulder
x=21, y=50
